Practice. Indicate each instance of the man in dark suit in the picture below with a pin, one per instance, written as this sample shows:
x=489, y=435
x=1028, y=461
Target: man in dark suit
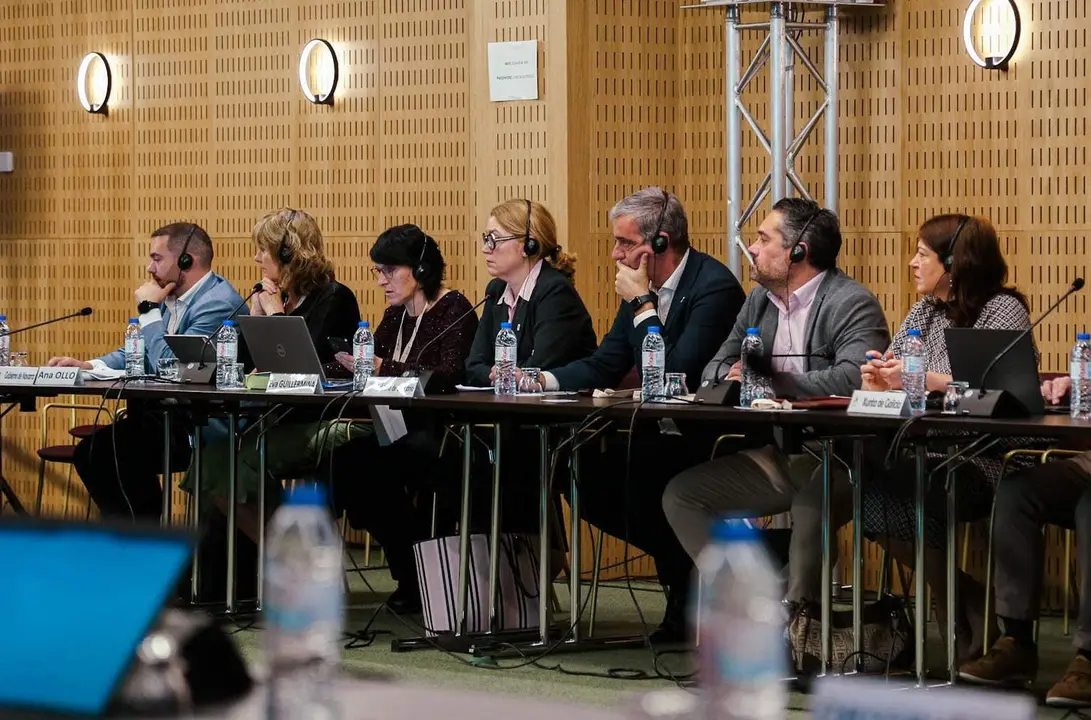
x=693, y=299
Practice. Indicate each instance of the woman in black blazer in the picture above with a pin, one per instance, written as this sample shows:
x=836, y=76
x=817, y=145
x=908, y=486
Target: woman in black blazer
x=533, y=290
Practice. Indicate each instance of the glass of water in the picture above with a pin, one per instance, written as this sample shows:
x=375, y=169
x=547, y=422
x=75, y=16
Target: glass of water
x=18, y=359
x=530, y=382
x=674, y=385
x=167, y=368
x=952, y=397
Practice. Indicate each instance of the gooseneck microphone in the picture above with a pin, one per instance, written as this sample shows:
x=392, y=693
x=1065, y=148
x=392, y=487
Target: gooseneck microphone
x=1075, y=287
x=212, y=338
x=79, y=313
x=445, y=330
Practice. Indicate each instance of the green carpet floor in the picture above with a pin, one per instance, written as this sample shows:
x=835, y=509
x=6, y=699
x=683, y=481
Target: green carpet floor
x=616, y=615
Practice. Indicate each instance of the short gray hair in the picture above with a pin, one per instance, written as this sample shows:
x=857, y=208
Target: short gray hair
x=645, y=207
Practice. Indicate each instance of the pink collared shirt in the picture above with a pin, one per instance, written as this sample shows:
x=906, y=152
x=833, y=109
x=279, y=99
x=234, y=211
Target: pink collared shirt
x=509, y=297
x=791, y=338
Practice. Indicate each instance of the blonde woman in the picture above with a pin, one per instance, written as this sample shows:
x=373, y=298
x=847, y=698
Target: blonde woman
x=297, y=279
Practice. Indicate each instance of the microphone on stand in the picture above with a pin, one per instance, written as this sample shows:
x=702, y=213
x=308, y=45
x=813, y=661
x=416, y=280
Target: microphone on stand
x=79, y=313
x=426, y=375
x=212, y=338
x=1000, y=403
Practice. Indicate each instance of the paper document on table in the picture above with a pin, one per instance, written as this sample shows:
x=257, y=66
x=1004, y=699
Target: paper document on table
x=473, y=388
x=102, y=374
x=389, y=424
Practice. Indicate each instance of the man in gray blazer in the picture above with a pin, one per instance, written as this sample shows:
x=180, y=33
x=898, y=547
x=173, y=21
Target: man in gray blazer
x=815, y=323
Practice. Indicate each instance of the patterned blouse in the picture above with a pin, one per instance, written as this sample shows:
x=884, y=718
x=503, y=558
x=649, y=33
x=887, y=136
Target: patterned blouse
x=888, y=506
x=1002, y=312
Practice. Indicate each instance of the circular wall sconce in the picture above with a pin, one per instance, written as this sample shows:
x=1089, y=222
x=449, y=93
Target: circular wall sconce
x=94, y=82
x=318, y=71
x=1004, y=41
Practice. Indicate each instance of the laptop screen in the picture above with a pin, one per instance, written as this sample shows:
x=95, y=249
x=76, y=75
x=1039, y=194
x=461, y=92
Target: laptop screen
x=75, y=602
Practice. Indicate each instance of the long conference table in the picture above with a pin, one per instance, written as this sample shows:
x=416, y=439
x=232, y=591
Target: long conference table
x=964, y=438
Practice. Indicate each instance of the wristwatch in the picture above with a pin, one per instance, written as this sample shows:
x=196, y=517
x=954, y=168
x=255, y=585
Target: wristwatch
x=146, y=306
x=647, y=298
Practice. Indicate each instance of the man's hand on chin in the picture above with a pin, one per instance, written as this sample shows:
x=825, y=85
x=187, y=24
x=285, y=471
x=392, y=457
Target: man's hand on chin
x=151, y=292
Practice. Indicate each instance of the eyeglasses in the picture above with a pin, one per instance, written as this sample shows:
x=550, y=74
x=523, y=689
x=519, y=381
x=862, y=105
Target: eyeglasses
x=386, y=271
x=490, y=240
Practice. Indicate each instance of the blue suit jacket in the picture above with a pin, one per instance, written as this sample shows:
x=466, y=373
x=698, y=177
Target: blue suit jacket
x=705, y=303
x=211, y=305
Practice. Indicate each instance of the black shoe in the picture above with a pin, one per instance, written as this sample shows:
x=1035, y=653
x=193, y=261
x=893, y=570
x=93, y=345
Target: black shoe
x=405, y=600
x=674, y=629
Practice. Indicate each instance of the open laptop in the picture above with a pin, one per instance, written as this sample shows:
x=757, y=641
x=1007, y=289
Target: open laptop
x=76, y=600
x=196, y=357
x=971, y=350
x=281, y=344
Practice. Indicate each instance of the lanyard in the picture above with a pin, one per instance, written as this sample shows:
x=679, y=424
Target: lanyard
x=399, y=355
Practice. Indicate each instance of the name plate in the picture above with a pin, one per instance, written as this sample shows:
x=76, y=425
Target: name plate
x=843, y=698
x=884, y=403
x=58, y=377
x=293, y=384
x=18, y=375
x=397, y=387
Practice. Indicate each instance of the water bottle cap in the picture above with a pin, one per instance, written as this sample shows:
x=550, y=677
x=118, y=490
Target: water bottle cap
x=3, y=318
x=364, y=323
x=1081, y=336
x=229, y=323
x=913, y=332
x=653, y=329
x=729, y=530
x=752, y=331
x=505, y=326
x=306, y=494
x=133, y=321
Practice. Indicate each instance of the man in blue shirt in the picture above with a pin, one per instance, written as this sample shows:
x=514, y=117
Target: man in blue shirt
x=120, y=463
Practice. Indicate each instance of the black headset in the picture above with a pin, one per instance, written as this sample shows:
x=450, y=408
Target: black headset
x=949, y=256
x=530, y=244
x=660, y=242
x=422, y=269
x=284, y=251
x=799, y=250
x=185, y=260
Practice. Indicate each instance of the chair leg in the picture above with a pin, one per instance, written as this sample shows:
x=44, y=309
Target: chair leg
x=367, y=549
x=1067, y=577
x=989, y=573
x=595, y=584
x=41, y=488
x=966, y=546
x=67, y=492
x=884, y=572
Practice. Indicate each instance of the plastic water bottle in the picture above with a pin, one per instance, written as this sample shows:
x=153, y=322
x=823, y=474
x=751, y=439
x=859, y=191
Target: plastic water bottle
x=915, y=371
x=504, y=359
x=304, y=608
x=1080, y=373
x=227, y=353
x=5, y=342
x=363, y=355
x=755, y=386
x=741, y=658
x=134, y=349
x=653, y=354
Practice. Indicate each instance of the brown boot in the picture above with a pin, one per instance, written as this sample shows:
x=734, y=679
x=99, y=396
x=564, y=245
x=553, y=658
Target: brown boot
x=1007, y=663
x=1074, y=689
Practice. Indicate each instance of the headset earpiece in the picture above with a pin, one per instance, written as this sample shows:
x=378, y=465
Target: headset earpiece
x=798, y=252
x=530, y=244
x=284, y=250
x=660, y=241
x=185, y=260
x=949, y=256
x=421, y=270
